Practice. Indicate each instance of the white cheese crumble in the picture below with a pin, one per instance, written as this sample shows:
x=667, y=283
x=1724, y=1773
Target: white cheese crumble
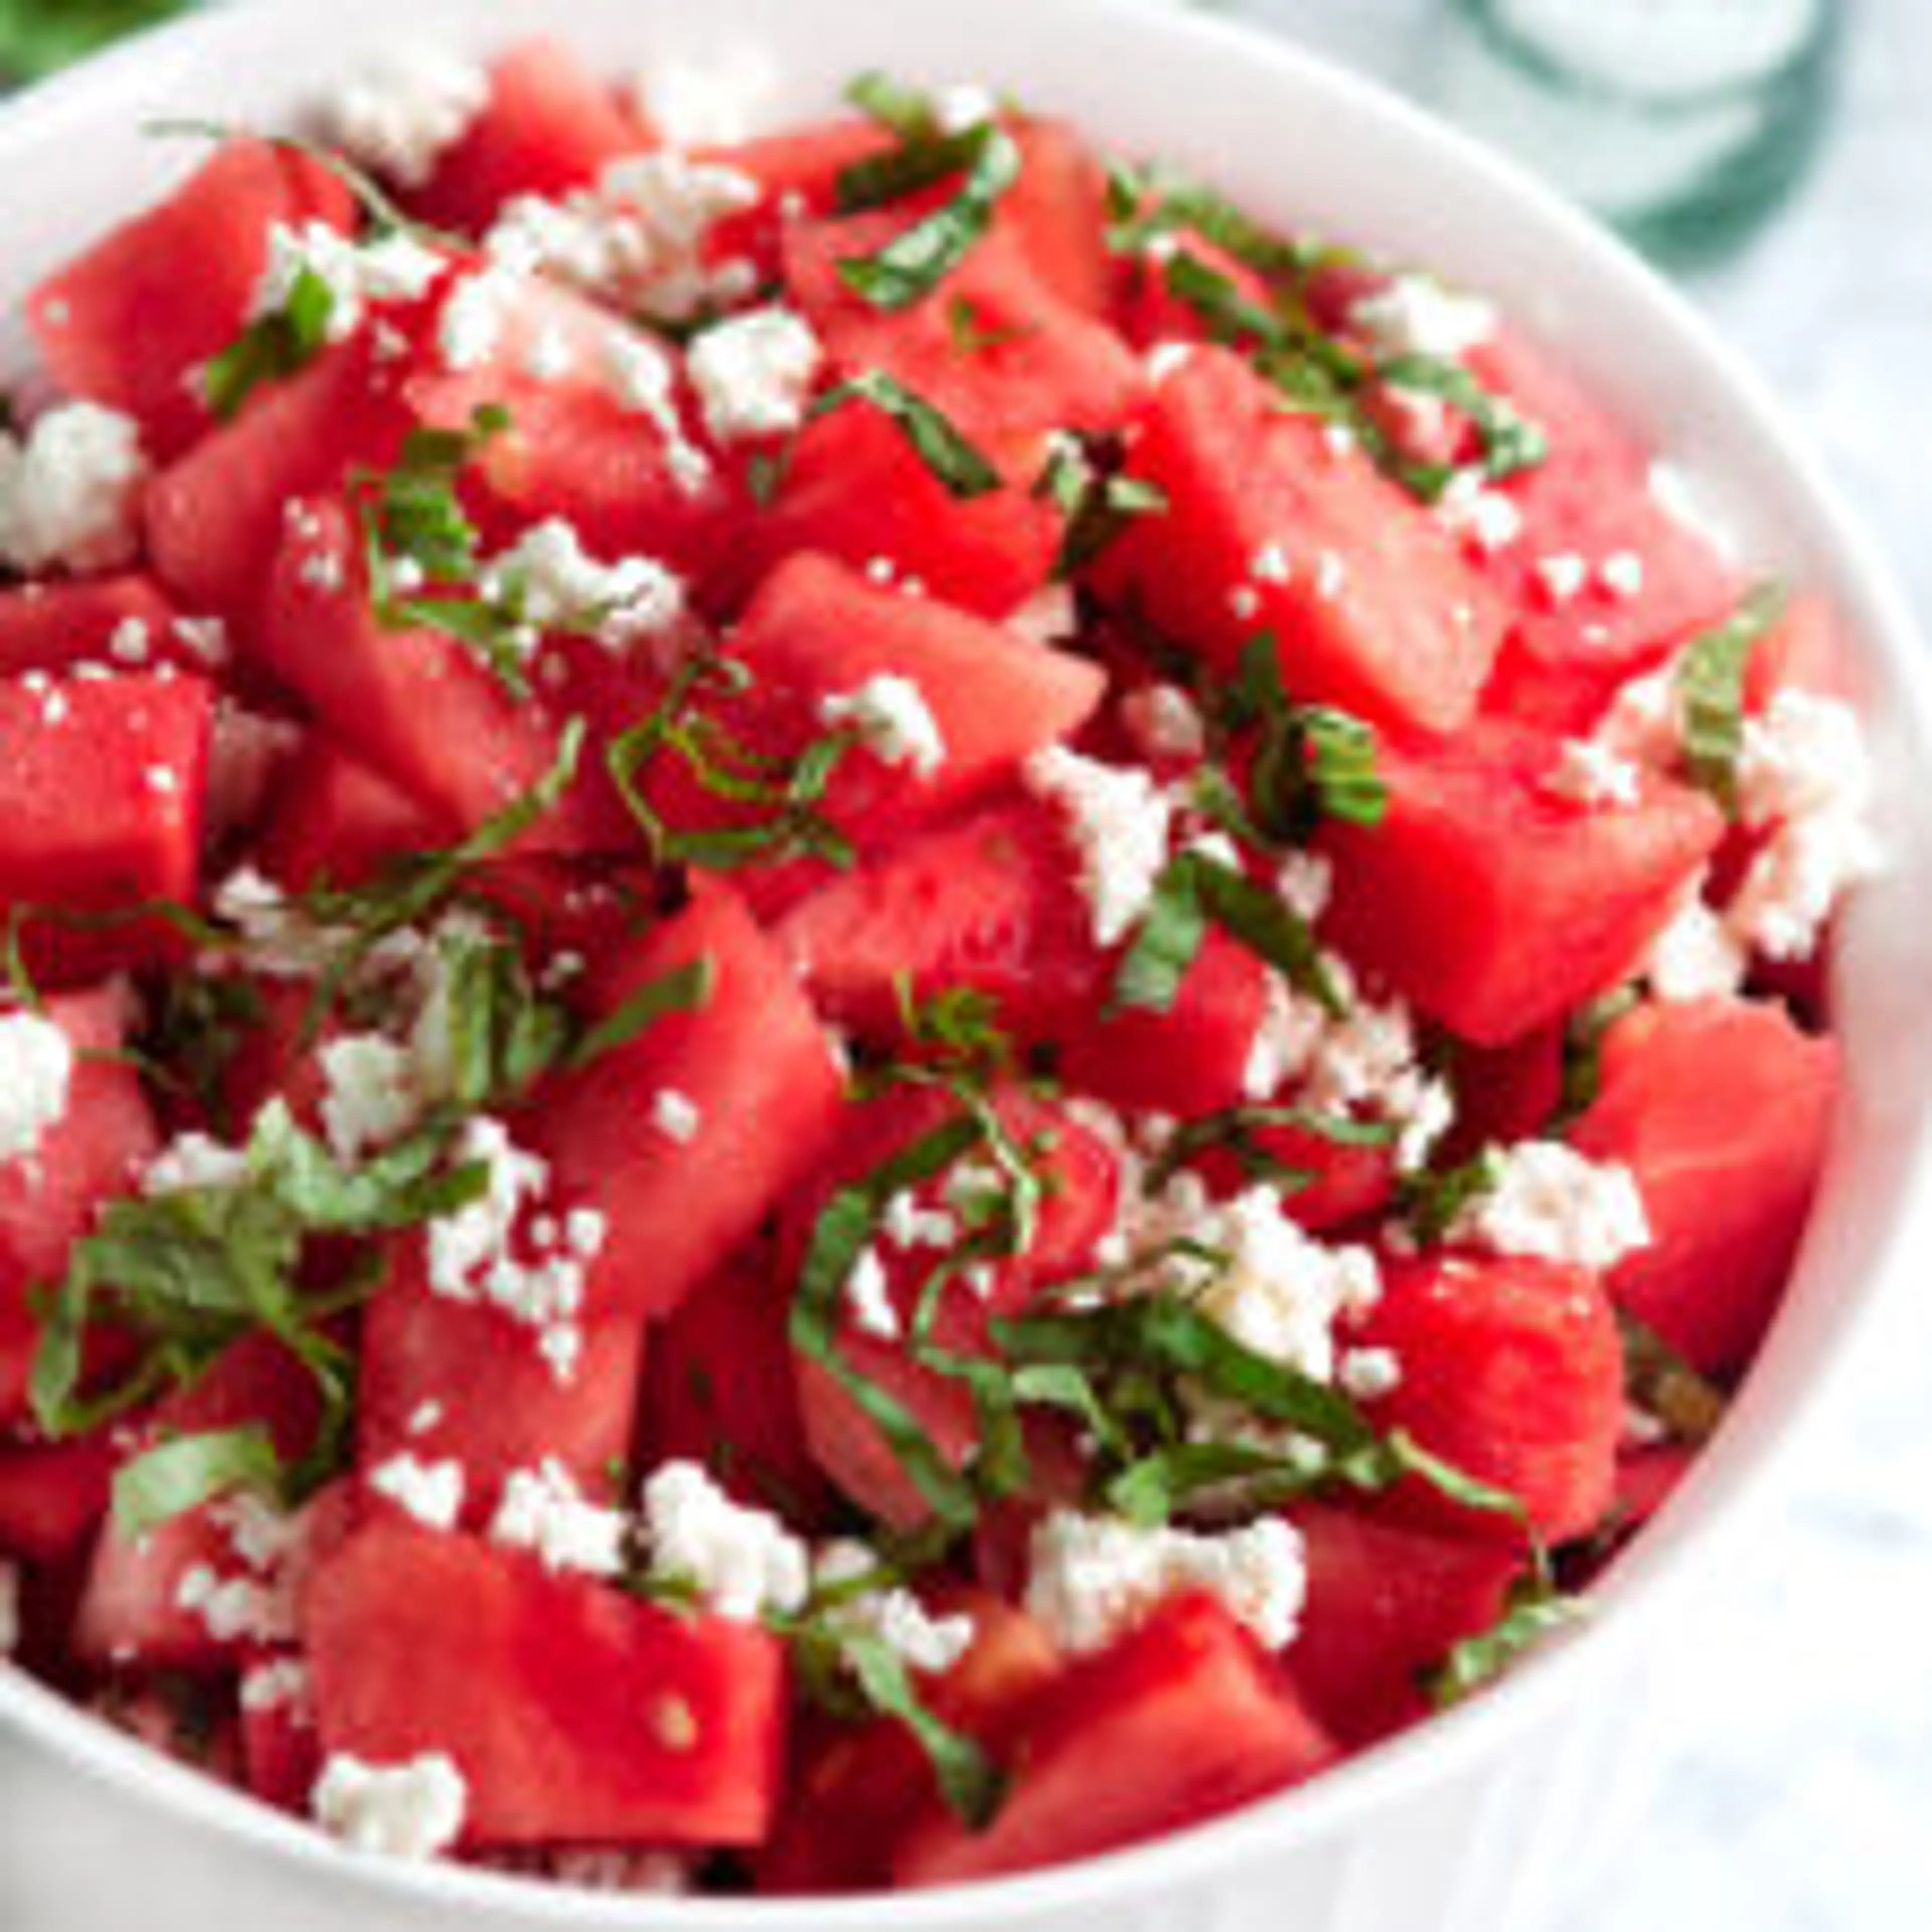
x=637, y=239
x=1415, y=315
x=1167, y=359
x=1486, y=519
x=753, y=374
x=469, y=331
x=411, y=1810
x=741, y=1562
x=370, y=1095
x=1093, y=1579
x=1119, y=821
x=1550, y=1203
x=406, y=110
x=676, y=1116
x=36, y=1078
x=1593, y=774
x=1367, y=1374
x=1695, y=956
x=71, y=490
x=1164, y=722
x=1561, y=577
x=192, y=1161
x=281, y=1683
x=358, y=275
x=1622, y=574
x=542, y=1511
x=893, y=1615
x=891, y=714
x=639, y=374
x=869, y=1295
x=237, y=1609
x=557, y=585
x=431, y=1493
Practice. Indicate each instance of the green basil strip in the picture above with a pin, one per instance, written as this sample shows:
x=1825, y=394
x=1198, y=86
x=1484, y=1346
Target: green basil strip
x=178, y=1476
x=959, y=466
x=1711, y=677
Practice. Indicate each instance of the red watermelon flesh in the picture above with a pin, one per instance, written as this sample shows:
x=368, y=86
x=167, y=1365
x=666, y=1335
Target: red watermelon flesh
x=1179, y=1722
x=755, y=1069
x=124, y=325
x=1386, y=1603
x=550, y=127
x=1512, y=1371
x=1379, y=613
x=1722, y=1110
x=51, y=1497
x=333, y=817
x=575, y=1713
x=52, y=627
x=1497, y=905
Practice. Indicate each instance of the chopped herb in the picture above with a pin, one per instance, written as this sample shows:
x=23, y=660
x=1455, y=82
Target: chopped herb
x=1535, y=1610
x=421, y=548
x=1096, y=501
x=1583, y=1040
x=1658, y=1381
x=1237, y=1130
x=920, y=160
x=684, y=989
x=834, y=1659
x=780, y=799
x=1146, y=204
x=957, y=464
x=195, y=1024
x=1228, y=316
x=272, y=347
x=1711, y=680
x=1433, y=1200
x=1194, y=893
x=972, y=337
x=1511, y=443
x=914, y=262
x=177, y=1476
x=907, y=111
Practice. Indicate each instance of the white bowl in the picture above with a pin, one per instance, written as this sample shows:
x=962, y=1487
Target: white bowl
x=1483, y=1820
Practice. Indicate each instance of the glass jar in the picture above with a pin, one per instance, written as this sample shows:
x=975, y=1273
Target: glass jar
x=1684, y=122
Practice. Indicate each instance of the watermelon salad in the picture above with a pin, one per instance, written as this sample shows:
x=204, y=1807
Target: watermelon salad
x=878, y=1007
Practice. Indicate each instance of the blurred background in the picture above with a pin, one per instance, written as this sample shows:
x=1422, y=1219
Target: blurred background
x=1775, y=157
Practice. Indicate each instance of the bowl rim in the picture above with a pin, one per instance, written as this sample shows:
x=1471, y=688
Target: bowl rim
x=1651, y=1577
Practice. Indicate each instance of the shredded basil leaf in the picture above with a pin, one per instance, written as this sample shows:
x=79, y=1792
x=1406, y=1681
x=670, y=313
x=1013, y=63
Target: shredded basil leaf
x=1096, y=501
x=1536, y=1610
x=1583, y=1040
x=914, y=262
x=176, y=1476
x=1194, y=893
x=1660, y=1381
x=1511, y=443
x=1432, y=1200
x=959, y=466
x=684, y=989
x=1238, y=1130
x=1710, y=681
x=272, y=347
x=907, y=111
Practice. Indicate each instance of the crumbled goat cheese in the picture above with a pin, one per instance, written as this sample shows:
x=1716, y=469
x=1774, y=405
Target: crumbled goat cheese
x=1415, y=315
x=370, y=1097
x=560, y=587
x=193, y=1161
x=638, y=238
x=1592, y=773
x=432, y=1492
x=469, y=331
x=1645, y=722
x=1562, y=576
x=1549, y=1203
x=869, y=1295
x=411, y=1810
x=1695, y=956
x=740, y=1562
x=71, y=490
x=1119, y=821
x=961, y=106
x=1305, y=884
x=1166, y=359
x=406, y=110
x=1049, y=616
x=543, y=1511
x=906, y=1224
x=1093, y=1579
x=1164, y=722
x=233, y=1609
x=676, y=1116
x=36, y=1077
x=426, y=1417
x=1244, y=601
x=753, y=374
x=1484, y=518
x=473, y=1250
x=1270, y=1285
x=639, y=375
x=891, y=714
x=1367, y=1374
x=1270, y=565
x=282, y=1684
x=1622, y=574
x=358, y=275
x=892, y=1616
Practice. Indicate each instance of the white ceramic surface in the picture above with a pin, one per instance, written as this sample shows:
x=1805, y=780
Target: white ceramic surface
x=1487, y=1819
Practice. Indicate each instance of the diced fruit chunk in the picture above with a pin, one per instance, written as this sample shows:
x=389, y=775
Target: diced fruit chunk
x=575, y=1714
